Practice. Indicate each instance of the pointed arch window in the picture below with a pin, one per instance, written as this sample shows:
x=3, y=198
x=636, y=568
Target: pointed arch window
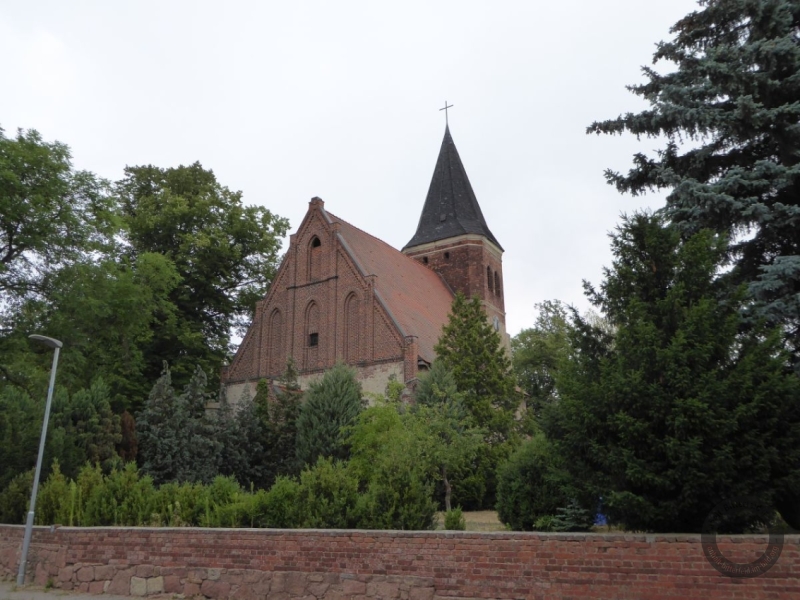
x=312, y=336
x=496, y=284
x=489, y=279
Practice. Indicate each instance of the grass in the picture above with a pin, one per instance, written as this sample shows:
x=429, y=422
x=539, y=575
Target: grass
x=481, y=520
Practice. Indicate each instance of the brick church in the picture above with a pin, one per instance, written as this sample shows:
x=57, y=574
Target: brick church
x=341, y=294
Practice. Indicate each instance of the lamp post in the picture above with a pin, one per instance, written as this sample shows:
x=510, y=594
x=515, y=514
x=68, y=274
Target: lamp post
x=56, y=345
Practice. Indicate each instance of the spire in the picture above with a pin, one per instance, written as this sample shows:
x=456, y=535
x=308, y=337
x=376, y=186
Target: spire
x=451, y=208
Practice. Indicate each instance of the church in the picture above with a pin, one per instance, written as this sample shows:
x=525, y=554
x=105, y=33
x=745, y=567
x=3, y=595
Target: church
x=342, y=295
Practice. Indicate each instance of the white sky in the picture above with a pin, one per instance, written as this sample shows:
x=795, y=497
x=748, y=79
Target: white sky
x=290, y=100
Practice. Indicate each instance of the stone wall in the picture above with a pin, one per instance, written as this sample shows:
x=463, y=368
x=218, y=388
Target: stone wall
x=246, y=564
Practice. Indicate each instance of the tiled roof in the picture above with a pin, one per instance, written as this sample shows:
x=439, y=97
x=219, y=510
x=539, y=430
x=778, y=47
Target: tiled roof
x=451, y=208
x=417, y=298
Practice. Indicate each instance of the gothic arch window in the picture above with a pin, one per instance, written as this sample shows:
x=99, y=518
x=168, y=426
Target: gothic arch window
x=489, y=279
x=276, y=358
x=311, y=342
x=351, y=329
x=314, y=258
x=496, y=283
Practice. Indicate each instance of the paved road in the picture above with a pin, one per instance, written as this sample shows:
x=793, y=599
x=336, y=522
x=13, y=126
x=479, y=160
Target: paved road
x=9, y=591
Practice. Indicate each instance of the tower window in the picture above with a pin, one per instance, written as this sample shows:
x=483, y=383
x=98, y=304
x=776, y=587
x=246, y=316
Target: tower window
x=489, y=279
x=447, y=256
x=313, y=339
x=315, y=243
x=496, y=283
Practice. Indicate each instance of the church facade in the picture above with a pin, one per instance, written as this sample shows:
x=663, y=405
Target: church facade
x=343, y=295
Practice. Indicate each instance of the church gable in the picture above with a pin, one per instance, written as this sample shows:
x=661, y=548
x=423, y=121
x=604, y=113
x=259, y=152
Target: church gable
x=319, y=310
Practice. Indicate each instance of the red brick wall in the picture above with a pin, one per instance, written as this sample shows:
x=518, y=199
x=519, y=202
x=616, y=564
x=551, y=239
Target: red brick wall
x=462, y=264
x=350, y=324
x=250, y=564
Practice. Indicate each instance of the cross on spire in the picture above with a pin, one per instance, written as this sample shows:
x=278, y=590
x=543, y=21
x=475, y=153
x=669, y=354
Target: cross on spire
x=445, y=112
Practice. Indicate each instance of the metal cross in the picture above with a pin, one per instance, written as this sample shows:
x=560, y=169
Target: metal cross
x=445, y=112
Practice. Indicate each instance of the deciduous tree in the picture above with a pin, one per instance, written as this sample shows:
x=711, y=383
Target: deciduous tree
x=225, y=254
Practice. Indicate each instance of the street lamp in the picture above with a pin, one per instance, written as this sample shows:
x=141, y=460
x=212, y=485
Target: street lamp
x=56, y=345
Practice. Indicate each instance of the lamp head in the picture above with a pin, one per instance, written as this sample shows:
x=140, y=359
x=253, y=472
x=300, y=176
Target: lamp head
x=53, y=343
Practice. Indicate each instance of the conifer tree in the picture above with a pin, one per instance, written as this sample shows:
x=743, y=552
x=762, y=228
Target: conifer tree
x=470, y=348
x=729, y=111
x=283, y=422
x=176, y=437
x=277, y=414
x=332, y=403
x=683, y=410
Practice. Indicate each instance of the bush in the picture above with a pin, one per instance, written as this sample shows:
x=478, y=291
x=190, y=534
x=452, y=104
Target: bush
x=403, y=500
x=572, y=517
x=454, y=520
x=328, y=496
x=52, y=505
x=531, y=485
x=279, y=507
x=122, y=499
x=15, y=498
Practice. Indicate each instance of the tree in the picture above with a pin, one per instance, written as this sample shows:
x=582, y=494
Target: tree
x=50, y=214
x=449, y=440
x=683, y=410
x=20, y=427
x=729, y=114
x=282, y=415
x=84, y=429
x=470, y=348
x=537, y=353
x=176, y=441
x=391, y=454
x=103, y=311
x=531, y=486
x=332, y=403
x=224, y=253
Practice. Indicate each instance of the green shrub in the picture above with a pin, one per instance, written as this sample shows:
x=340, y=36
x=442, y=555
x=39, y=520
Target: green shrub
x=52, y=505
x=530, y=485
x=218, y=500
x=397, y=497
x=89, y=478
x=544, y=523
x=454, y=520
x=279, y=508
x=572, y=517
x=328, y=496
x=15, y=498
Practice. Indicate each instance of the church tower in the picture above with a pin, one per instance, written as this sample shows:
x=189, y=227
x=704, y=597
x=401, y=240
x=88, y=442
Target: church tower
x=453, y=239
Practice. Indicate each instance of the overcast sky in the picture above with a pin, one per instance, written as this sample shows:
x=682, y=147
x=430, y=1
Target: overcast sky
x=290, y=100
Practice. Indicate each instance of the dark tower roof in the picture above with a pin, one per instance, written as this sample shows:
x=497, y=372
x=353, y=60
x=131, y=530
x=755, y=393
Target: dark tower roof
x=451, y=208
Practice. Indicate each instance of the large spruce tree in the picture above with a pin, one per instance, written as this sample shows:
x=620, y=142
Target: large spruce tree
x=680, y=409
x=729, y=113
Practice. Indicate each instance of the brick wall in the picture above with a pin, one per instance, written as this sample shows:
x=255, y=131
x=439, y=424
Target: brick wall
x=250, y=564
x=463, y=262
x=319, y=290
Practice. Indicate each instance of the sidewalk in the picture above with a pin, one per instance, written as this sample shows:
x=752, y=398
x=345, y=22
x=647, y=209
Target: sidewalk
x=9, y=591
